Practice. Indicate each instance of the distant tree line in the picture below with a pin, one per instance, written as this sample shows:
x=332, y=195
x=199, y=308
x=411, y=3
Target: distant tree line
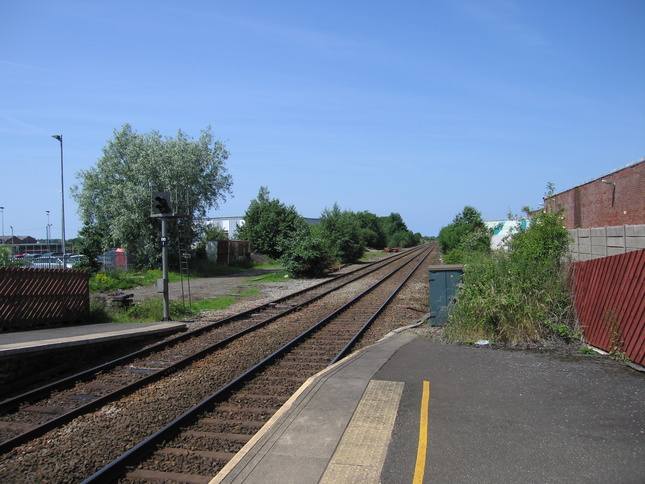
x=280, y=232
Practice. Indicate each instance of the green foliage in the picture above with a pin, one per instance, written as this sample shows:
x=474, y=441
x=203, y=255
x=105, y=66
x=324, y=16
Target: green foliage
x=397, y=233
x=467, y=221
x=215, y=233
x=306, y=256
x=340, y=231
x=90, y=243
x=6, y=259
x=586, y=351
x=518, y=295
x=269, y=224
x=114, y=197
x=372, y=231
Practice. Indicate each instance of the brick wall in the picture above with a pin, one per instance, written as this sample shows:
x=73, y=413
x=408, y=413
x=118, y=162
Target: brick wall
x=598, y=204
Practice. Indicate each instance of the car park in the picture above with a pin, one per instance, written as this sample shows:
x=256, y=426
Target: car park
x=46, y=263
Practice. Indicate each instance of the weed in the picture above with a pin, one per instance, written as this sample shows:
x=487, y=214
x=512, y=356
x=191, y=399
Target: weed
x=519, y=295
x=586, y=351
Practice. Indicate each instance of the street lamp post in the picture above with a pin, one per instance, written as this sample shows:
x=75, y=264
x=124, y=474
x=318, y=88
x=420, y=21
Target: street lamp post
x=2, y=210
x=47, y=230
x=59, y=137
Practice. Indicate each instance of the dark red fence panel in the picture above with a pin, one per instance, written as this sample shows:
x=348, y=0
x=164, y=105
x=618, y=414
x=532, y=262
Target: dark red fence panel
x=610, y=303
x=230, y=252
x=36, y=298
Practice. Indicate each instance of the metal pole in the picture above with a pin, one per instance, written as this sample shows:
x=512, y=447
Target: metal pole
x=2, y=210
x=164, y=270
x=59, y=137
x=47, y=231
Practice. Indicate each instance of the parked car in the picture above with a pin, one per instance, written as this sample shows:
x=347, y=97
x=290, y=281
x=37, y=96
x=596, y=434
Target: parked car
x=74, y=259
x=46, y=263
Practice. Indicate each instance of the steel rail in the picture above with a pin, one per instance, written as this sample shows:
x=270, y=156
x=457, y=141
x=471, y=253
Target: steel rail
x=67, y=417
x=116, y=468
x=45, y=390
x=369, y=322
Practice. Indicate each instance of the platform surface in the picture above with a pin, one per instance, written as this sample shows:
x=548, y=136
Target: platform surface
x=54, y=338
x=493, y=416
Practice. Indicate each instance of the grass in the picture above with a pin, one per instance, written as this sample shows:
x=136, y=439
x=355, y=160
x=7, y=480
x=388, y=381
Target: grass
x=371, y=255
x=118, y=281
x=277, y=276
x=151, y=310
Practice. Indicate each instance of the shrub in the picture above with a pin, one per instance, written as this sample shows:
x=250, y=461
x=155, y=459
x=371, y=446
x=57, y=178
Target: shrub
x=305, y=256
x=520, y=295
x=340, y=232
x=268, y=223
x=466, y=235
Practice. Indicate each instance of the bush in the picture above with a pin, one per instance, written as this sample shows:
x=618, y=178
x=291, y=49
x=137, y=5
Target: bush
x=340, y=232
x=306, y=256
x=520, y=295
x=268, y=223
x=466, y=235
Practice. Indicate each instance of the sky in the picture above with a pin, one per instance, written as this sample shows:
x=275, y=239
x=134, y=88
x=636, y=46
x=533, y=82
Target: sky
x=415, y=107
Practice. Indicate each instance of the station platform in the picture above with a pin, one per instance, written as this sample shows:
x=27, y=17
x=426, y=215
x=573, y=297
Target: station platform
x=413, y=410
x=19, y=343
x=27, y=356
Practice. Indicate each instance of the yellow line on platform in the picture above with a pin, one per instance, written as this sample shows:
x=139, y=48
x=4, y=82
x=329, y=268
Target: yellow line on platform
x=420, y=467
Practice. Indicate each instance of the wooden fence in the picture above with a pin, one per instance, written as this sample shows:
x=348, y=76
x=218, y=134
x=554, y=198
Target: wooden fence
x=38, y=298
x=610, y=303
x=228, y=252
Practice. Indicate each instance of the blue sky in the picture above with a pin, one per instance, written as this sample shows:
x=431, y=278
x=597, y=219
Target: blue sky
x=415, y=107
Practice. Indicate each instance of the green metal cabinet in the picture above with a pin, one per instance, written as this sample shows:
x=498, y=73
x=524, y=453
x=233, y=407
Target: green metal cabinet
x=443, y=286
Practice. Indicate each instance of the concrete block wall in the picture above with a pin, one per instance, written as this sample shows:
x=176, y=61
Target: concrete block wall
x=597, y=242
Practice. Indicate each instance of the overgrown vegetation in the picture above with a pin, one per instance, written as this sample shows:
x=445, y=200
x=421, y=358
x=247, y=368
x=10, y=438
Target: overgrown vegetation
x=465, y=238
x=516, y=295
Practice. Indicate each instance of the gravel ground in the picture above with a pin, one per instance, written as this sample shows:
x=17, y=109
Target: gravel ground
x=88, y=442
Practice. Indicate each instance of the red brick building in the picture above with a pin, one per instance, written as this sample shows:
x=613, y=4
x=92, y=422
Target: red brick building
x=616, y=198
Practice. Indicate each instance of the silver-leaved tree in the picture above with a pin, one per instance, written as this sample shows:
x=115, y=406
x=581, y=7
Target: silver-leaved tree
x=114, y=195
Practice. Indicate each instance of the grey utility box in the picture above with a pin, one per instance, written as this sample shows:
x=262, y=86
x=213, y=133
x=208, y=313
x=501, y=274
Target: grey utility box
x=443, y=286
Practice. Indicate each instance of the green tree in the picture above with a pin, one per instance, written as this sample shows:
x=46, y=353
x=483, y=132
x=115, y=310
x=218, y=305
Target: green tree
x=341, y=231
x=371, y=230
x=305, y=255
x=519, y=294
x=269, y=224
x=467, y=233
x=6, y=258
x=114, y=196
x=397, y=233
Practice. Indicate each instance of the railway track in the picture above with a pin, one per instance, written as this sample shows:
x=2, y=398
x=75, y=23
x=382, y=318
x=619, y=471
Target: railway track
x=249, y=403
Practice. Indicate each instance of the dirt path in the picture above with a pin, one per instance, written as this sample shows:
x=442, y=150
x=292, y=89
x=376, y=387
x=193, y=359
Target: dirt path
x=205, y=288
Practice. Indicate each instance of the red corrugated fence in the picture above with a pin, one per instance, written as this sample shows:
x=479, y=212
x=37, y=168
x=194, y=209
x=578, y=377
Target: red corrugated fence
x=610, y=303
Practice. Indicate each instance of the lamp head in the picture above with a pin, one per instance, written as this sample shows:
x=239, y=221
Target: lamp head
x=59, y=137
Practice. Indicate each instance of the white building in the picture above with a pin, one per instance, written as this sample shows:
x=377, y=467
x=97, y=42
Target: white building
x=503, y=229
x=231, y=225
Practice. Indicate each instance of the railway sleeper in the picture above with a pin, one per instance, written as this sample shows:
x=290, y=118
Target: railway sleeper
x=241, y=438
x=46, y=409
x=237, y=413
x=143, y=475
